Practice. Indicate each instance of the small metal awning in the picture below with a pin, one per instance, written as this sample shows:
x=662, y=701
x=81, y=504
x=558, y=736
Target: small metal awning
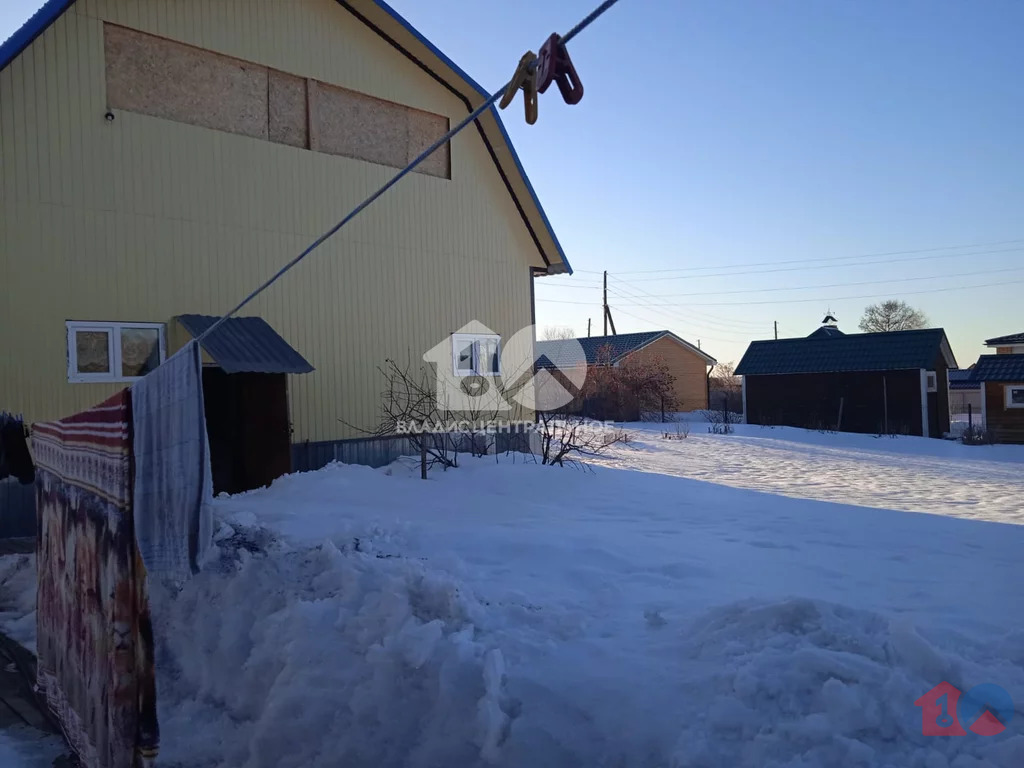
x=245, y=345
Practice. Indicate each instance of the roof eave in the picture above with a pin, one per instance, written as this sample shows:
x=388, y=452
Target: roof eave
x=38, y=23
x=396, y=29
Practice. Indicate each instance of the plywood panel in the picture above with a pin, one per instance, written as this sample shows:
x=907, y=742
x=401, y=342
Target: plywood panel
x=360, y=126
x=424, y=130
x=166, y=79
x=288, y=109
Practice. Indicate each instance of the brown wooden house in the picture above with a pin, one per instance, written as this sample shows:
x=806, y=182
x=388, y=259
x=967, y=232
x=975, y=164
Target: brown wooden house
x=881, y=383
x=1002, y=402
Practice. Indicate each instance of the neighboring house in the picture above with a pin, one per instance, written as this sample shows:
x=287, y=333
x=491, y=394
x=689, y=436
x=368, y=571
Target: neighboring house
x=964, y=395
x=162, y=158
x=689, y=365
x=893, y=383
x=1007, y=345
x=1002, y=380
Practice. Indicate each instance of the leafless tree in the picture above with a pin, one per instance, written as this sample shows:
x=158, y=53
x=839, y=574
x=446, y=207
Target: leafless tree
x=555, y=332
x=642, y=383
x=409, y=407
x=569, y=439
x=892, y=315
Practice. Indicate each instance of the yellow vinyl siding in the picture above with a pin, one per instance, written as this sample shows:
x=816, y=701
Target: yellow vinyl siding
x=142, y=219
x=688, y=369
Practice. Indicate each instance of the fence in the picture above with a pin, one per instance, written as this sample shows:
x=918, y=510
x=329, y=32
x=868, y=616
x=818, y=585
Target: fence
x=381, y=451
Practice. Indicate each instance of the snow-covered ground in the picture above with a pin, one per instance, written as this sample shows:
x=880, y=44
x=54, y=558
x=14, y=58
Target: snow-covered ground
x=24, y=747
x=905, y=473
x=771, y=598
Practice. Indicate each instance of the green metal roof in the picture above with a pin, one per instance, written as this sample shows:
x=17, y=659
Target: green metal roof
x=999, y=368
x=892, y=351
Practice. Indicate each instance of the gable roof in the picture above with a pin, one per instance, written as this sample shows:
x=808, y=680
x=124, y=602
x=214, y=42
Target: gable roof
x=962, y=380
x=1013, y=338
x=560, y=353
x=825, y=332
x=999, y=368
x=892, y=351
x=399, y=33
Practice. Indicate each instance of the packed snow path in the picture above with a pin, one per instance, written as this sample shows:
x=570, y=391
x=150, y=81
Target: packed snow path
x=910, y=474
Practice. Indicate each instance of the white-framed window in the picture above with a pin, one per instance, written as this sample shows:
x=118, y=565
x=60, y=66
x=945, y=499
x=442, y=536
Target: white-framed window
x=476, y=355
x=113, y=351
x=933, y=382
x=1014, y=395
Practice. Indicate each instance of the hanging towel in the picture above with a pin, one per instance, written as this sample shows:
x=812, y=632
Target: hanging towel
x=93, y=630
x=173, y=484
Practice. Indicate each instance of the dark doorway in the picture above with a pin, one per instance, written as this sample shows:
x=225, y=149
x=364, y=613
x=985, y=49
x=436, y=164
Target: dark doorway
x=248, y=427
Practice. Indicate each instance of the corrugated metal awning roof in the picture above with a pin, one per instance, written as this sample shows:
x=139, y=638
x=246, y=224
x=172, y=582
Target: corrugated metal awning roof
x=246, y=345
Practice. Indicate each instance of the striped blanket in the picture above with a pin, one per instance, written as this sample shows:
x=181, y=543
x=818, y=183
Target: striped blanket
x=94, y=636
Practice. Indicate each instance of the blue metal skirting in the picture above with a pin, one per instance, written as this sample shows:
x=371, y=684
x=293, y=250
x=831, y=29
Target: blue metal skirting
x=379, y=452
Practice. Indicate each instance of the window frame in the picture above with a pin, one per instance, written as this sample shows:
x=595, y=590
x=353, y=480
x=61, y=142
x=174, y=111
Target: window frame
x=459, y=341
x=114, y=359
x=1008, y=395
x=931, y=381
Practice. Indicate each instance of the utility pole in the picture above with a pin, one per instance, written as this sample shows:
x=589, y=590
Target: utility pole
x=607, y=311
x=588, y=327
x=605, y=302
x=776, y=330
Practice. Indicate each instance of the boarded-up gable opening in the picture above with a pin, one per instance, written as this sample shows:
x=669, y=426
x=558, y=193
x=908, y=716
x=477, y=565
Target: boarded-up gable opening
x=154, y=76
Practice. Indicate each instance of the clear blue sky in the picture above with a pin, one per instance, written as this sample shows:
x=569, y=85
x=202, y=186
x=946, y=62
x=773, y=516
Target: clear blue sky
x=717, y=133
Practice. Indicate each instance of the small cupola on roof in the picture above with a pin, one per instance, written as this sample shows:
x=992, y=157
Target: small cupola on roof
x=829, y=328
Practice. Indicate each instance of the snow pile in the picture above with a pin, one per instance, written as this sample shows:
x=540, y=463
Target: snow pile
x=324, y=656
x=804, y=683
x=18, y=599
x=714, y=610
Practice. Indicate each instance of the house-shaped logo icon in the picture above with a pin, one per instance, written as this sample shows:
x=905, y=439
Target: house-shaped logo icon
x=482, y=376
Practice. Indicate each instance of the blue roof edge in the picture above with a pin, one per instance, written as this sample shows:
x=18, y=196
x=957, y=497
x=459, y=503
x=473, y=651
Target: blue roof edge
x=494, y=113
x=31, y=29
x=52, y=9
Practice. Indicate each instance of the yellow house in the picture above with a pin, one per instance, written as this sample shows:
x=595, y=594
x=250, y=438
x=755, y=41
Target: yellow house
x=160, y=159
x=688, y=365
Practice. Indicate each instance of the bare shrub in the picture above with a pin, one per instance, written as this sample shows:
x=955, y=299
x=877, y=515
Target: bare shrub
x=641, y=384
x=569, y=439
x=409, y=408
x=681, y=432
x=977, y=436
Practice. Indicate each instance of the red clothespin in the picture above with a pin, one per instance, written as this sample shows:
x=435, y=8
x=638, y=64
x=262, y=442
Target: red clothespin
x=555, y=65
x=525, y=78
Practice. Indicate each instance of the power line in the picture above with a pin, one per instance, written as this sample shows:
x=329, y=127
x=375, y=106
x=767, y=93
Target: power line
x=633, y=292
x=677, y=317
x=648, y=320
x=838, y=285
x=825, y=300
x=827, y=266
x=488, y=103
x=820, y=258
